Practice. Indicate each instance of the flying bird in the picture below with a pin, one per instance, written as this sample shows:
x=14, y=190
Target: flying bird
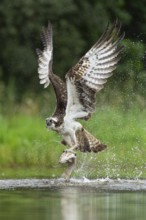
x=76, y=95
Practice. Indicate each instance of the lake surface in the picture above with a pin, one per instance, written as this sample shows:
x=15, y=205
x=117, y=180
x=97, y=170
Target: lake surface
x=71, y=202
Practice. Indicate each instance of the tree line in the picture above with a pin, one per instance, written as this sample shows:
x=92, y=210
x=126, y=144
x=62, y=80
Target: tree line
x=77, y=25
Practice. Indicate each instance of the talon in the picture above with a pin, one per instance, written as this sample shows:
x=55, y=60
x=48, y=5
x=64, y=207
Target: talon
x=76, y=147
x=63, y=142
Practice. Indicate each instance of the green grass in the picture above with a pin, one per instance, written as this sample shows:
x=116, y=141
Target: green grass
x=27, y=149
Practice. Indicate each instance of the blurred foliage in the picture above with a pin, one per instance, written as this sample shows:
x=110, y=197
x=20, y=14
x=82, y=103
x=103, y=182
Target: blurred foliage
x=77, y=25
x=27, y=149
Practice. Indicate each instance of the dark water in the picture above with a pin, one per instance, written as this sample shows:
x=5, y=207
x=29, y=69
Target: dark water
x=71, y=203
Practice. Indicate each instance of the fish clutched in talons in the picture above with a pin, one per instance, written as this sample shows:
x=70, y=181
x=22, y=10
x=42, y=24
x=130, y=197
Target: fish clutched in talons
x=85, y=142
x=68, y=156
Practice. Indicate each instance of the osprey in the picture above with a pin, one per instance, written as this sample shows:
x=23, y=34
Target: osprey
x=76, y=97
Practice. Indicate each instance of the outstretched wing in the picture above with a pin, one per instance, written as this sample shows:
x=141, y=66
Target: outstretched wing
x=45, y=60
x=90, y=74
x=45, y=57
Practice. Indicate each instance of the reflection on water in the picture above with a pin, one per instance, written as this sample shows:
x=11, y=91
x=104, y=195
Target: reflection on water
x=72, y=203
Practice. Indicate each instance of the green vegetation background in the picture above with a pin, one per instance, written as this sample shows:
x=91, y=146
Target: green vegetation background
x=27, y=149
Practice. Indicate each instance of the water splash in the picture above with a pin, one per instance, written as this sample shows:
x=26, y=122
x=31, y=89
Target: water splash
x=98, y=184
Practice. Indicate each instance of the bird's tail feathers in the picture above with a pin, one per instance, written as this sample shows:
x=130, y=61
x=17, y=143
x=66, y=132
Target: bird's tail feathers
x=88, y=143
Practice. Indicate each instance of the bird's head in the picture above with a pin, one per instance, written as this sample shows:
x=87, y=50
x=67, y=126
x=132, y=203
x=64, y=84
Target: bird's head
x=52, y=123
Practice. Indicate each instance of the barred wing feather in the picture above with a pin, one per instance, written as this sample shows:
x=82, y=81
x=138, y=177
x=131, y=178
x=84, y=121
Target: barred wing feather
x=45, y=56
x=90, y=74
x=46, y=75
